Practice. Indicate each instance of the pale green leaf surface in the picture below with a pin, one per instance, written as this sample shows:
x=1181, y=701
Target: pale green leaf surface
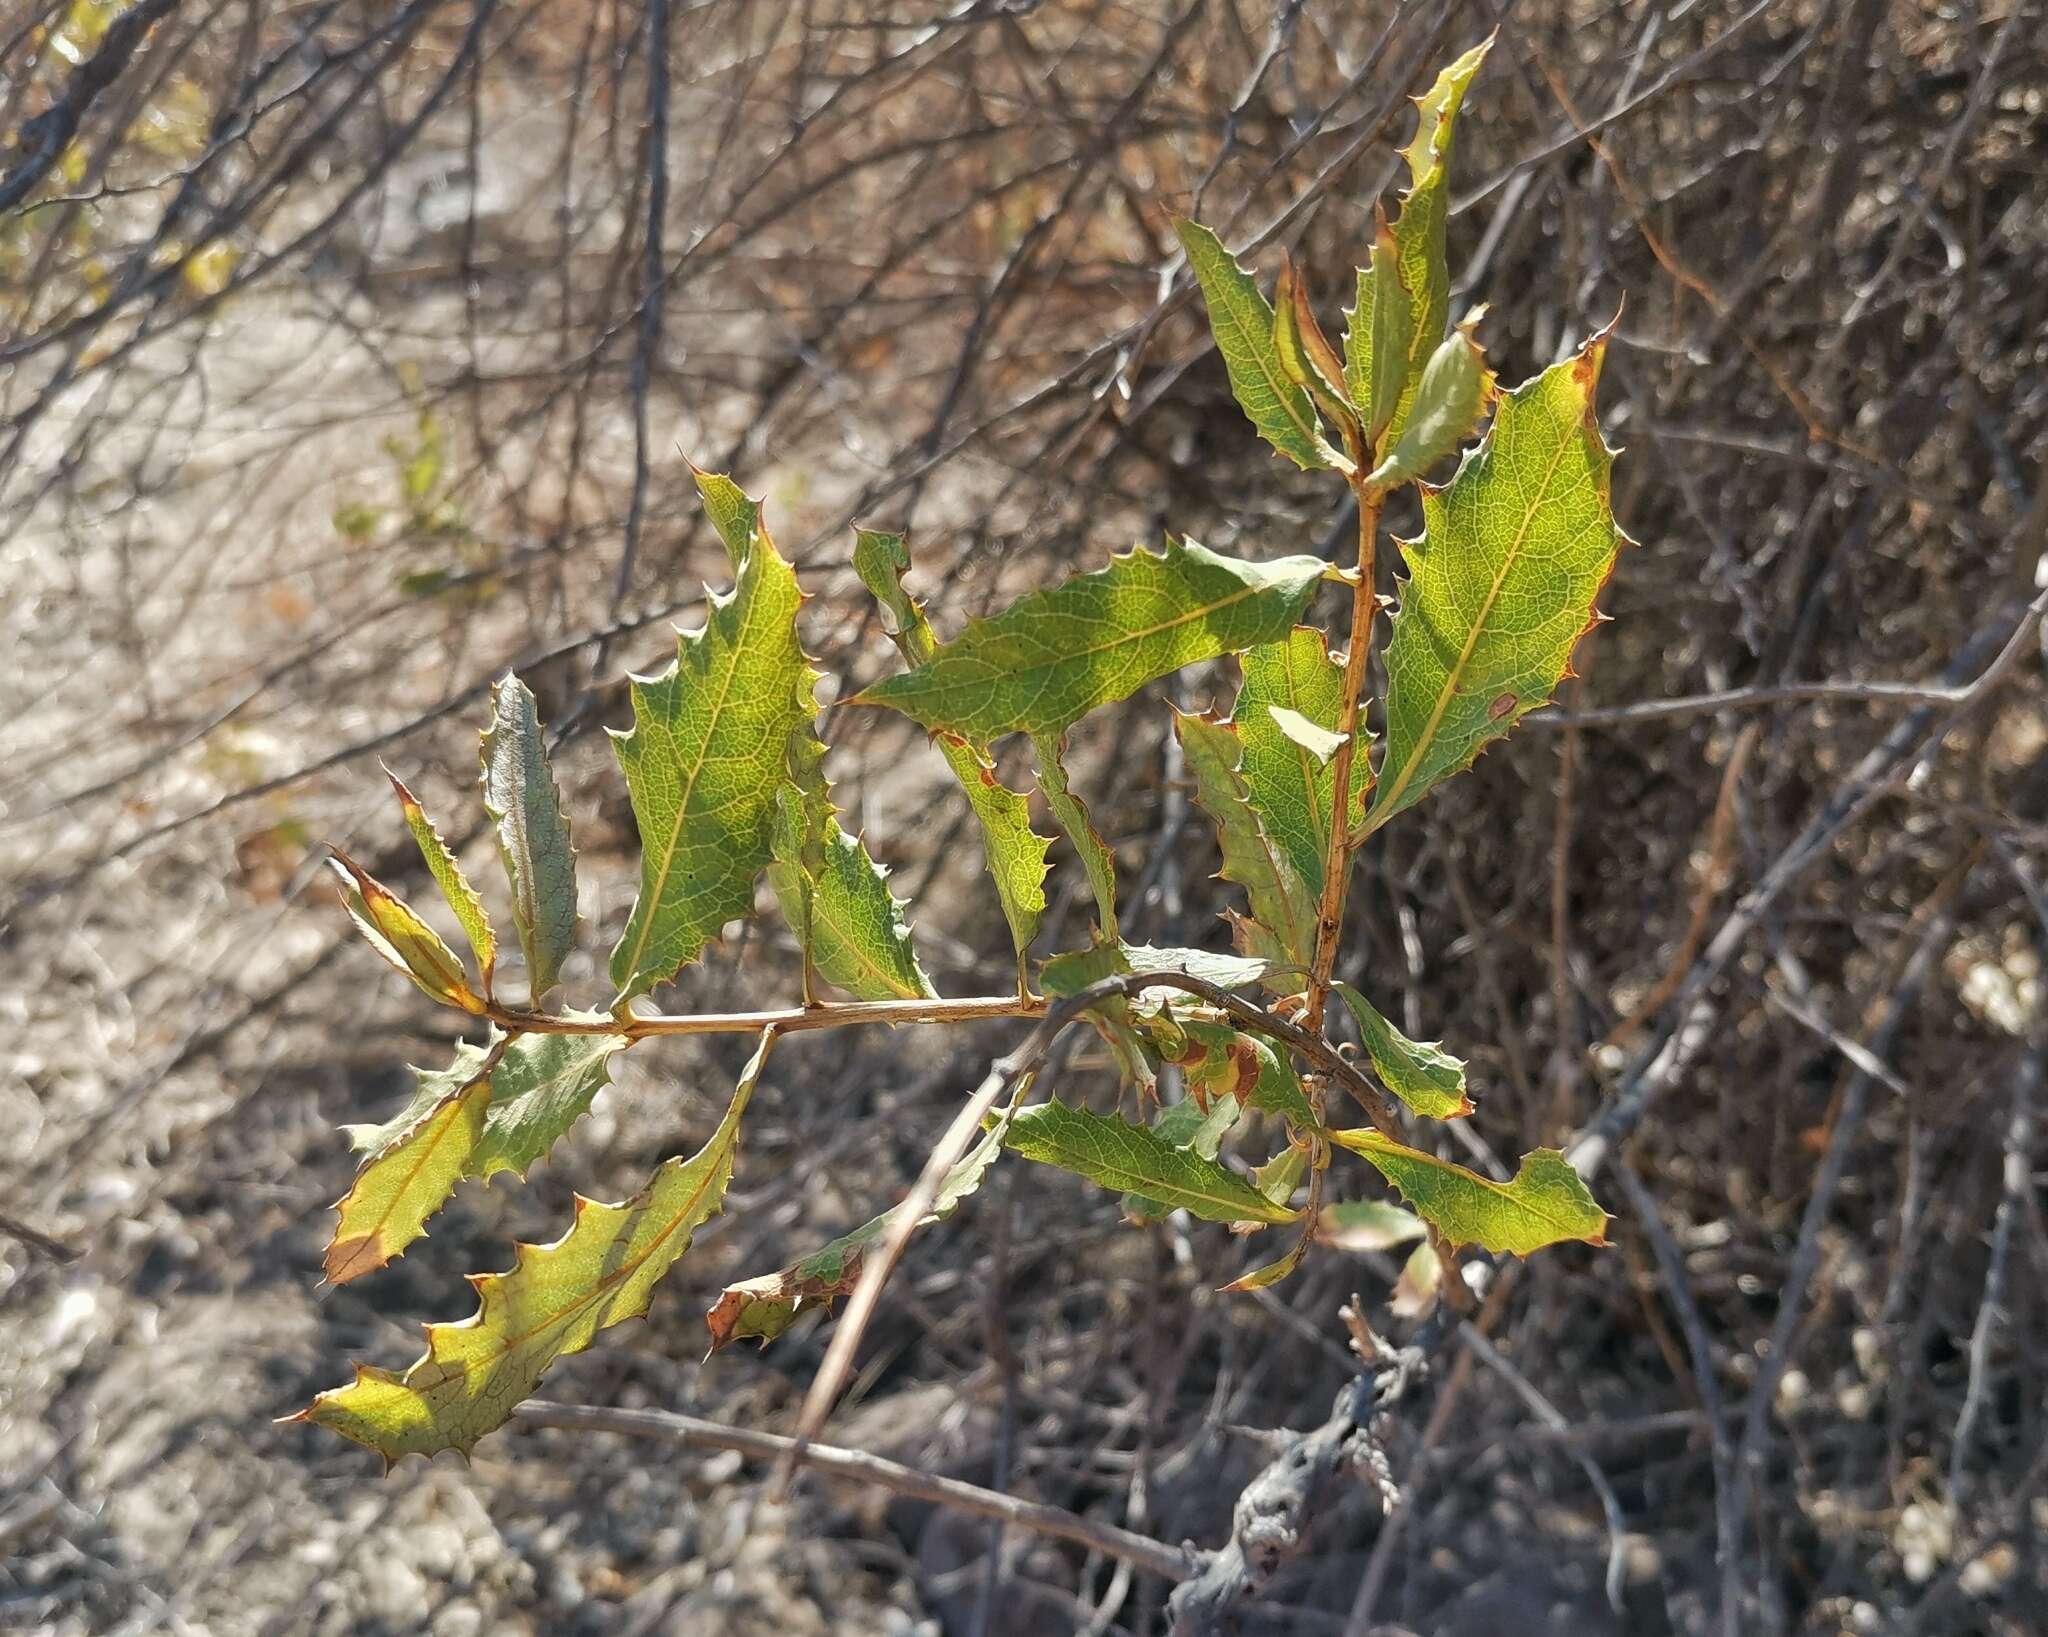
x=1501, y=586
x=1455, y=392
x=1362, y=1225
x=1186, y=1124
x=447, y=873
x=1419, y=1072
x=1225, y=971
x=533, y=836
x=1242, y=321
x=1075, y=970
x=1291, y=787
x=1378, y=335
x=398, y=1188
x=554, y=1301
x=1056, y=654
x=837, y=901
x=734, y=513
x=1280, y=901
x=1546, y=1203
x=1097, y=861
x=1138, y=1160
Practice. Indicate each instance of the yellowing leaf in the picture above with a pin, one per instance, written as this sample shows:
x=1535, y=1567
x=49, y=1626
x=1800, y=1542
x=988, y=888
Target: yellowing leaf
x=1419, y=1072
x=406, y=1182
x=703, y=761
x=401, y=937
x=1097, y=861
x=533, y=836
x=1242, y=321
x=1305, y=354
x=1281, y=904
x=1013, y=851
x=1545, y=1204
x=1502, y=583
x=1293, y=789
x=1054, y=655
x=554, y=1301
x=447, y=873
x=1138, y=1160
x=734, y=513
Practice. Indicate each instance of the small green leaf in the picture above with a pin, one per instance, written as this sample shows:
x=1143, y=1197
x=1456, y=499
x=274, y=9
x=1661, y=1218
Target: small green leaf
x=1361, y=1225
x=1054, y=655
x=1136, y=1159
x=554, y=1301
x=1545, y=1204
x=1283, y=911
x=533, y=836
x=1013, y=851
x=1378, y=334
x=1502, y=583
x=448, y=876
x=837, y=901
x=407, y=1181
x=1221, y=1061
x=1242, y=322
x=401, y=937
x=1072, y=813
x=1273, y=1272
x=1293, y=789
x=734, y=513
x=1281, y=1175
x=1456, y=391
x=704, y=761
x=1070, y=973
x=1186, y=1124
x=1419, y=1072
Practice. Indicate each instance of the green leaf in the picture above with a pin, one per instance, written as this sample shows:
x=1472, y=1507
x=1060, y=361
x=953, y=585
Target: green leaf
x=1282, y=907
x=1379, y=334
x=762, y=1309
x=533, y=836
x=1138, y=1160
x=1013, y=851
x=1361, y=1225
x=1242, y=321
x=837, y=901
x=1224, y=1062
x=1419, y=1072
x=1056, y=654
x=1306, y=354
x=554, y=1301
x=1273, y=1272
x=1072, y=813
x=1186, y=1124
x=1502, y=583
x=409, y=1178
x=401, y=937
x=1419, y=233
x=1070, y=973
x=704, y=761
x=542, y=1086
x=1456, y=391
x=1225, y=971
x=1545, y=1204
x=1291, y=787
x=448, y=876
x=734, y=513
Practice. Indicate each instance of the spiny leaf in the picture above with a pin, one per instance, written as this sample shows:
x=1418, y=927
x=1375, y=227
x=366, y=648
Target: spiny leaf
x=407, y=1181
x=1070, y=973
x=762, y=1309
x=1455, y=393
x=734, y=513
x=1545, y=1204
x=1419, y=1072
x=1281, y=905
x=1186, y=1124
x=1056, y=654
x=533, y=837
x=1097, y=860
x=1242, y=322
x=448, y=876
x=1502, y=583
x=1419, y=233
x=1224, y=1062
x=1379, y=334
x=401, y=937
x=1272, y=1273
x=1136, y=1159
x=1013, y=851
x=554, y=1301
x=703, y=763
x=1367, y=1225
x=1306, y=354
x=1225, y=971
x=1292, y=788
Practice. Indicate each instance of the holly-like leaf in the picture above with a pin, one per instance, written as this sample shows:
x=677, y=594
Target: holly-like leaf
x=837, y=901
x=1242, y=321
x=401, y=937
x=1379, y=334
x=1306, y=354
x=1224, y=1062
x=1013, y=851
x=1419, y=1072
x=533, y=836
x=410, y=1177
x=1362, y=1225
x=1419, y=232
x=1186, y=1124
x=1282, y=907
x=1054, y=655
x=554, y=1301
x=1501, y=584
x=1225, y=971
x=1075, y=970
x=1546, y=1203
x=734, y=513
x=704, y=761
x=541, y=1087
x=1292, y=788
x=448, y=876
x=1455, y=393
x=1136, y=1159
x=1097, y=861
x=762, y=1309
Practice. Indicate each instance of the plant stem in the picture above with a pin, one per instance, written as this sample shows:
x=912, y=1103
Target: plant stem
x=787, y=1019
x=1337, y=865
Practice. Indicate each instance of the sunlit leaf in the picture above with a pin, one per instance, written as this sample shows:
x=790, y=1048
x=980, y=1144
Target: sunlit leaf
x=1186, y=1124
x=447, y=873
x=1306, y=355
x=1362, y=1225
x=533, y=836
x=1097, y=861
x=1070, y=973
x=1283, y=909
x=1454, y=395
x=1546, y=1203
x=1379, y=334
x=1225, y=971
x=407, y=1181
x=401, y=937
x=1419, y=1072
x=1501, y=586
x=1056, y=654
x=1136, y=1159
x=1293, y=789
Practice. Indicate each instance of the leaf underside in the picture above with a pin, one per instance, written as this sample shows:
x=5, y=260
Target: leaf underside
x=533, y=836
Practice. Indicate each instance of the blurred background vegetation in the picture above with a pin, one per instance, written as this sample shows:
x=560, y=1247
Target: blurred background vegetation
x=350, y=351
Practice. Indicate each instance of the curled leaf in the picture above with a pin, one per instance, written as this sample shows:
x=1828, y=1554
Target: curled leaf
x=1419, y=1072
x=401, y=937
x=447, y=873
x=533, y=836
x=1545, y=1204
